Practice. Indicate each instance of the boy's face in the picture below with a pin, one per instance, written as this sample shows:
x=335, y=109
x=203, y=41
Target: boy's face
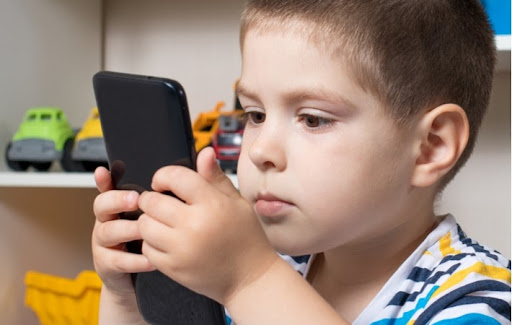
x=322, y=163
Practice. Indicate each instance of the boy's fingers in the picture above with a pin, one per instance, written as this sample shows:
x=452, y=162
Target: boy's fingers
x=110, y=234
x=208, y=167
x=108, y=205
x=183, y=182
x=103, y=179
x=155, y=256
x=159, y=206
x=155, y=233
x=189, y=186
x=124, y=262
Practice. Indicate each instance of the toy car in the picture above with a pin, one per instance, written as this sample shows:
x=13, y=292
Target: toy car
x=89, y=150
x=205, y=125
x=227, y=140
x=43, y=136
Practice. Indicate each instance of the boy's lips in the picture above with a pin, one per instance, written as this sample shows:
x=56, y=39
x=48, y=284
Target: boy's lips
x=268, y=205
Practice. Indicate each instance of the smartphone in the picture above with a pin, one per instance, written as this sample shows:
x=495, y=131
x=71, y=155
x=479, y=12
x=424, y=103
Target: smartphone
x=146, y=125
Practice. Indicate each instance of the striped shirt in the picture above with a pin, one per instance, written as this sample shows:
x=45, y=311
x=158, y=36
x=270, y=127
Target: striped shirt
x=449, y=279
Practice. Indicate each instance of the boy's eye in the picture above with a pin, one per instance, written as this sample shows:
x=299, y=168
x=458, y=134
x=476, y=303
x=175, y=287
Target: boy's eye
x=254, y=117
x=312, y=121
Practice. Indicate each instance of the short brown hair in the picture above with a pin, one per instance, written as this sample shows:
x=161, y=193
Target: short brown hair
x=412, y=55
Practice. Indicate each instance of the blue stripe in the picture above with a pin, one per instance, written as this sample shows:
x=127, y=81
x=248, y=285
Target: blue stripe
x=400, y=298
x=407, y=315
x=457, y=257
x=479, y=248
x=473, y=319
x=499, y=306
x=301, y=259
x=449, y=300
x=419, y=274
x=452, y=297
x=461, y=233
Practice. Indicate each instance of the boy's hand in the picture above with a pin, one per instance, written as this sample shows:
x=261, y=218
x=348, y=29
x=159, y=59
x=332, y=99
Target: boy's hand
x=112, y=263
x=211, y=241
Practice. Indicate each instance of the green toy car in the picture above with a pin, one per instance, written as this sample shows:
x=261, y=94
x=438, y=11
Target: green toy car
x=43, y=136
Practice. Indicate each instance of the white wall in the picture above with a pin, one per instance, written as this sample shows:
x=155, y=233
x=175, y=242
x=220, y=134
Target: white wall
x=49, y=51
x=194, y=42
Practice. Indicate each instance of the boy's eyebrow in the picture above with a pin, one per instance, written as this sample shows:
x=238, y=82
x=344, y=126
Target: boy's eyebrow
x=241, y=89
x=298, y=95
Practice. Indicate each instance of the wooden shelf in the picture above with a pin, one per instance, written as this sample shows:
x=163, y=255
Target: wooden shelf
x=57, y=179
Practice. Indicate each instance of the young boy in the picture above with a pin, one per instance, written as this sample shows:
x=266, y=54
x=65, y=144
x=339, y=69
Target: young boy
x=359, y=113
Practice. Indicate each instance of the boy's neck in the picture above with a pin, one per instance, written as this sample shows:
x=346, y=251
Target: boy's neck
x=350, y=277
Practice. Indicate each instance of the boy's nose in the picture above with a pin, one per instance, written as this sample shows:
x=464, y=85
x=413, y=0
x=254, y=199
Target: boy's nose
x=267, y=150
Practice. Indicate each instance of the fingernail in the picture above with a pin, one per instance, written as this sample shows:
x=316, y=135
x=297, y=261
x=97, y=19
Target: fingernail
x=130, y=197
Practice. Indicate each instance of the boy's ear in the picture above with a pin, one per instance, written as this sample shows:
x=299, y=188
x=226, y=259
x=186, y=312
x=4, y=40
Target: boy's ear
x=443, y=135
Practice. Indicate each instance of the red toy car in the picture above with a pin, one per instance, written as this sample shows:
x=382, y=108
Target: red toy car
x=227, y=141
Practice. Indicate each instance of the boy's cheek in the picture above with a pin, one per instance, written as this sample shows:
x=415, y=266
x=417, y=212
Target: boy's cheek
x=243, y=173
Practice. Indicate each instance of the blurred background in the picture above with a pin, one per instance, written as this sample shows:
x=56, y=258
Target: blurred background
x=50, y=50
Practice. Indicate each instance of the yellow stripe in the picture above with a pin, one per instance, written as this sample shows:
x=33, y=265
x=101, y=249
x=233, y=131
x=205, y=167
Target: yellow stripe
x=445, y=245
x=493, y=272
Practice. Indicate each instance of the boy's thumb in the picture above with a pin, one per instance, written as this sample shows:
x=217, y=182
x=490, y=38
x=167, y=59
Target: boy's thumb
x=210, y=170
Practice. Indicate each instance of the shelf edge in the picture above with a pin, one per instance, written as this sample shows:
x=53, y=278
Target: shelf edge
x=503, y=42
x=47, y=180
x=58, y=180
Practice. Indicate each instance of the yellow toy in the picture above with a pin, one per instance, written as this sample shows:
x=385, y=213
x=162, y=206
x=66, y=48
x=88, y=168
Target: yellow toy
x=89, y=149
x=205, y=125
x=59, y=301
x=91, y=128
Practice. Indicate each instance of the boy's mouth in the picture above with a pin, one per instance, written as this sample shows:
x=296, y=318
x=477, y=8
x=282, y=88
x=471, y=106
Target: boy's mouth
x=270, y=206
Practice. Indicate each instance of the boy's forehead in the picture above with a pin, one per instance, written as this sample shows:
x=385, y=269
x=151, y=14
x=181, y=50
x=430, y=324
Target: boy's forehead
x=277, y=73
x=304, y=37
x=308, y=31
x=307, y=34
x=264, y=45
x=275, y=54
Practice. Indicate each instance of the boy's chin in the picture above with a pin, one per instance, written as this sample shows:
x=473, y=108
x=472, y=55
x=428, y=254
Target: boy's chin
x=290, y=250
x=284, y=241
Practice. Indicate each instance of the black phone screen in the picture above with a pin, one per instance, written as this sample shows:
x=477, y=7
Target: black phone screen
x=146, y=125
